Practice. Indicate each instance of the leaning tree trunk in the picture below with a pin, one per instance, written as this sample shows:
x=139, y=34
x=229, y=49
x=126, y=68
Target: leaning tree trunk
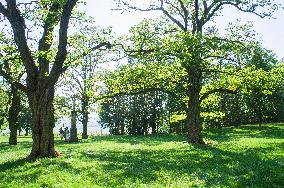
x=193, y=110
x=13, y=116
x=41, y=105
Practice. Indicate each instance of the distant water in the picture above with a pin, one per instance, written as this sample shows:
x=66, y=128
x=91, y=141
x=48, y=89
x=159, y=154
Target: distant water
x=93, y=125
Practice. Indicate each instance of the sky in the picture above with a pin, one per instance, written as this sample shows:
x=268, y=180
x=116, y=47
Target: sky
x=270, y=30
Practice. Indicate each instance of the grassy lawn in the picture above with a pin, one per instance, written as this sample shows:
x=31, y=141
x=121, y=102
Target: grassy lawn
x=236, y=157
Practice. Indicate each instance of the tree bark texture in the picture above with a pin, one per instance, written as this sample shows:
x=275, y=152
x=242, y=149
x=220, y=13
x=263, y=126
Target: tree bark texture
x=73, y=131
x=41, y=105
x=13, y=116
x=85, y=119
x=193, y=110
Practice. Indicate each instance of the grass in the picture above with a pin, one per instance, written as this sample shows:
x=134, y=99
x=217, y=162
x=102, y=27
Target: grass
x=237, y=157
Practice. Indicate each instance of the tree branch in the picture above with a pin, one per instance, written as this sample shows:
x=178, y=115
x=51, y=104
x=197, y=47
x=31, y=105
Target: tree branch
x=11, y=81
x=142, y=91
x=57, y=68
x=13, y=14
x=46, y=39
x=219, y=90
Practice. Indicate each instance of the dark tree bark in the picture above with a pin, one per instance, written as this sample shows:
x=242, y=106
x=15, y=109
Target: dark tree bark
x=73, y=131
x=40, y=80
x=13, y=115
x=41, y=105
x=85, y=118
x=193, y=110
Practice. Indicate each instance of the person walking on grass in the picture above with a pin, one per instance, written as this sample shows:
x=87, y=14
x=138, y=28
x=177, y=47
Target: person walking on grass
x=61, y=133
x=67, y=134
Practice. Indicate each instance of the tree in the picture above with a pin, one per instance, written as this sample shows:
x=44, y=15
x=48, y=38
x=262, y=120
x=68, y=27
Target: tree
x=85, y=63
x=11, y=70
x=196, y=46
x=40, y=79
x=4, y=99
x=138, y=98
x=25, y=117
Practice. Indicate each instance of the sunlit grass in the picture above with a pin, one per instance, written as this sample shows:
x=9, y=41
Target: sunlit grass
x=237, y=157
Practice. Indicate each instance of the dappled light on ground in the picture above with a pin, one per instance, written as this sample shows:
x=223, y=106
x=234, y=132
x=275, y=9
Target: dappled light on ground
x=247, y=156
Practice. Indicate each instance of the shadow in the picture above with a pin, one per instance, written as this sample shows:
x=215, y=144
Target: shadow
x=29, y=171
x=150, y=140
x=15, y=164
x=213, y=166
x=250, y=131
x=4, y=146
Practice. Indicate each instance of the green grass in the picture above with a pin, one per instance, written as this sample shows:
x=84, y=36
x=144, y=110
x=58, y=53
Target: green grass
x=237, y=157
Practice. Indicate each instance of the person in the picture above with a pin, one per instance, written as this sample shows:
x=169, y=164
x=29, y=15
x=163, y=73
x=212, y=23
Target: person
x=61, y=133
x=65, y=132
x=67, y=137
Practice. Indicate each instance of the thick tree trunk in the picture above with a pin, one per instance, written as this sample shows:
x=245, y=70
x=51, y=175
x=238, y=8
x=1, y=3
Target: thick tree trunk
x=41, y=105
x=85, y=119
x=193, y=110
x=14, y=113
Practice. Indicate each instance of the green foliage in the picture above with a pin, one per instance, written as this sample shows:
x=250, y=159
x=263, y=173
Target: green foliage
x=237, y=157
x=24, y=119
x=4, y=101
x=139, y=114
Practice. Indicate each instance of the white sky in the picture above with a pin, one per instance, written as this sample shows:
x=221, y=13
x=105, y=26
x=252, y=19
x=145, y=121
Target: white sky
x=270, y=30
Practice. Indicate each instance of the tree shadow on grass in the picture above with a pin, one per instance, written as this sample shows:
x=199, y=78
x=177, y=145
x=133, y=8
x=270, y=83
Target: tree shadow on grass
x=4, y=146
x=214, y=166
x=15, y=164
x=28, y=170
x=250, y=131
x=150, y=140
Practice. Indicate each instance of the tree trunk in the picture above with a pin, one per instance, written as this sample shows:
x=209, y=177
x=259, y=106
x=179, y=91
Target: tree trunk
x=85, y=118
x=73, y=131
x=26, y=132
x=193, y=110
x=13, y=117
x=154, y=127
x=41, y=105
